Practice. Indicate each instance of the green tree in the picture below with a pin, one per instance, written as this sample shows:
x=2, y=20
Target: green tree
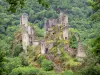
x=2, y=60
x=12, y=63
x=96, y=7
x=14, y=5
x=47, y=65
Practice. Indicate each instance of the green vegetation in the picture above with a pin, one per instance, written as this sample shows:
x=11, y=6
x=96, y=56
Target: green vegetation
x=84, y=20
x=47, y=65
x=29, y=71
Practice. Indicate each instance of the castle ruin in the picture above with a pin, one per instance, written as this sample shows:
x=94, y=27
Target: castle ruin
x=28, y=33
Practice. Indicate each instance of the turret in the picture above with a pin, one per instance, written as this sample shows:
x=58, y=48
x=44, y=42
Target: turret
x=43, y=45
x=80, y=51
x=24, y=19
x=25, y=36
x=63, y=20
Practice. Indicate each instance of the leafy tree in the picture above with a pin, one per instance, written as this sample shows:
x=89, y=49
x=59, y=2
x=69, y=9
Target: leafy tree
x=46, y=65
x=12, y=63
x=14, y=5
x=90, y=70
x=2, y=69
x=96, y=7
x=30, y=71
x=68, y=73
x=96, y=48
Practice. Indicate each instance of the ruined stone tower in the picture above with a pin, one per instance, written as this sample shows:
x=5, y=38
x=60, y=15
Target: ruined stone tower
x=63, y=20
x=43, y=48
x=27, y=32
x=80, y=51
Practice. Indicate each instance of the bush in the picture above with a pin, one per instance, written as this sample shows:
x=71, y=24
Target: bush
x=18, y=48
x=47, y=65
x=12, y=63
x=25, y=71
x=68, y=73
x=30, y=71
x=41, y=58
x=52, y=73
x=91, y=70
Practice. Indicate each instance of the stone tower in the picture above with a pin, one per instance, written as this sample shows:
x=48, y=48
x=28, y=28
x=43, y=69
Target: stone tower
x=63, y=20
x=43, y=45
x=24, y=19
x=27, y=32
x=80, y=51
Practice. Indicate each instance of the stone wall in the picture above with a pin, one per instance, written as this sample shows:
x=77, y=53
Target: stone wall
x=43, y=47
x=27, y=32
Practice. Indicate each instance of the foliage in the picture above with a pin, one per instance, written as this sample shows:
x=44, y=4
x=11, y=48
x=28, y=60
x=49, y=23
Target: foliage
x=2, y=69
x=90, y=70
x=12, y=63
x=4, y=46
x=79, y=13
x=30, y=71
x=38, y=32
x=91, y=63
x=41, y=58
x=24, y=59
x=68, y=73
x=78, y=16
x=96, y=7
x=68, y=61
x=15, y=5
x=47, y=65
x=96, y=48
x=24, y=71
x=95, y=4
x=18, y=49
x=73, y=42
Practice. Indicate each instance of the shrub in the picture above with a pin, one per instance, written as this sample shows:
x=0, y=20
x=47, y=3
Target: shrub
x=41, y=58
x=52, y=73
x=47, y=65
x=90, y=70
x=18, y=48
x=68, y=73
x=12, y=63
x=30, y=71
x=24, y=71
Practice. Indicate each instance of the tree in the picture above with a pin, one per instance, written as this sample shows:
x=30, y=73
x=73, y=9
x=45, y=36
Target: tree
x=96, y=7
x=12, y=63
x=2, y=69
x=96, y=49
x=17, y=4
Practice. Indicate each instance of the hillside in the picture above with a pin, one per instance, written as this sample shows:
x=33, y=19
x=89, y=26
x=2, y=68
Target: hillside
x=53, y=49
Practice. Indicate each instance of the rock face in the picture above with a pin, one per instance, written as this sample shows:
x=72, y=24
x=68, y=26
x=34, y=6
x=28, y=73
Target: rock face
x=27, y=32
